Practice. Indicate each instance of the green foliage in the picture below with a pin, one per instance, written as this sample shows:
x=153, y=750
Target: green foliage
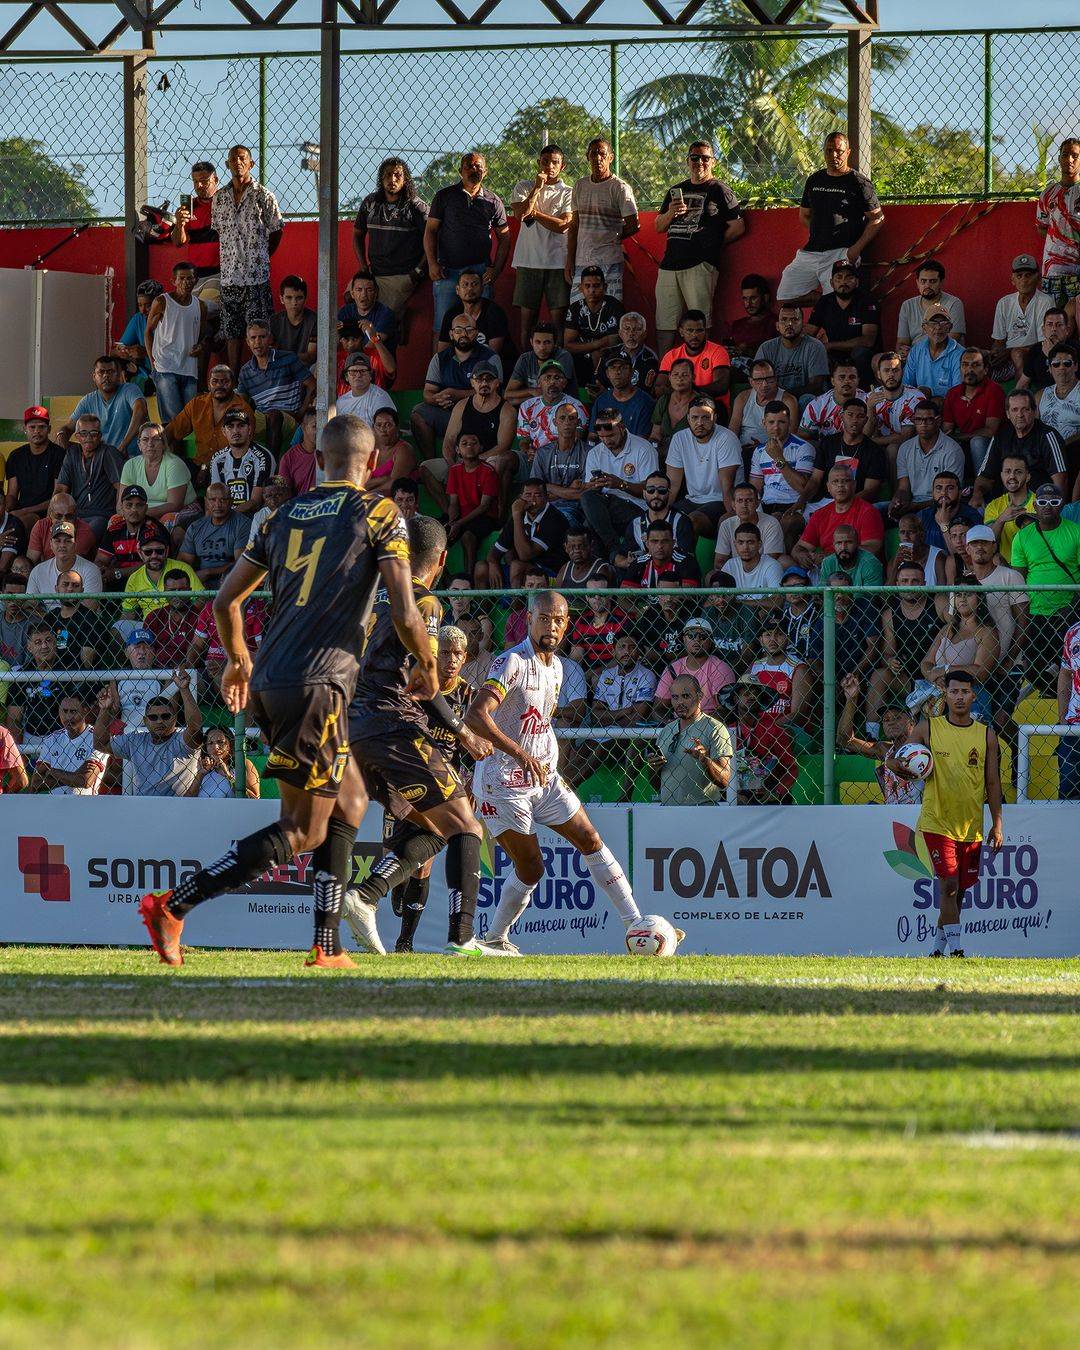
x=34, y=187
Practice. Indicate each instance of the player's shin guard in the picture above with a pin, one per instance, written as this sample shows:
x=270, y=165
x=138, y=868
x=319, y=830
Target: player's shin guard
x=247, y=859
x=513, y=902
x=414, y=896
x=408, y=849
x=331, y=863
x=463, y=884
x=611, y=879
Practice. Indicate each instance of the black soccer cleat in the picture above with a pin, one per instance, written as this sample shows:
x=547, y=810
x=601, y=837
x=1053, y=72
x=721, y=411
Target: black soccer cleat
x=958, y=951
x=403, y=945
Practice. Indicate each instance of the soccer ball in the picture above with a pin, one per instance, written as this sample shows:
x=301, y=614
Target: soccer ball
x=916, y=759
x=651, y=935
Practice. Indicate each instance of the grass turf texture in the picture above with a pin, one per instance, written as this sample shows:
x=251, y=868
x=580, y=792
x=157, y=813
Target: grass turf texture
x=759, y=1151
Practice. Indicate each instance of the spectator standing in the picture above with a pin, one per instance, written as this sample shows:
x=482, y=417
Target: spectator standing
x=757, y=323
x=1005, y=515
x=615, y=472
x=603, y=214
x=635, y=404
x=800, y=361
x=712, y=365
x=592, y=323
x=929, y=280
x=909, y=624
x=42, y=579
x=845, y=508
x=1047, y=552
x=560, y=464
x=204, y=416
x=699, y=216
x=214, y=541
x=163, y=758
x=365, y=398
x=68, y=764
x=746, y=501
x=1023, y=434
x=277, y=384
x=542, y=206
x=448, y=381
x=292, y=328
x=1018, y=317
x=163, y=476
x=1057, y=218
x=90, y=474
x=32, y=469
x=457, y=236
x=847, y=322
x=118, y=555
x=974, y=408
x=175, y=332
x=492, y=328
x=702, y=463
x=388, y=236
x=120, y=409
x=242, y=466
x=842, y=214
x=61, y=507
x=541, y=349
x=711, y=672
x=933, y=364
x=748, y=410
x=193, y=229
x=248, y=223
x=644, y=366
x=921, y=459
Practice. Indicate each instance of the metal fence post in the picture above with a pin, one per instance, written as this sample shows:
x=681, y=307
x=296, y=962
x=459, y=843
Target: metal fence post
x=828, y=694
x=613, y=57
x=988, y=114
x=858, y=98
x=136, y=169
x=329, y=129
x=239, y=755
x=264, y=172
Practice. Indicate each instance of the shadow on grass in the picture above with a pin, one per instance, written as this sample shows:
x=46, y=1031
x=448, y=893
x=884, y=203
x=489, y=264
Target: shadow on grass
x=120, y=997
x=85, y=1057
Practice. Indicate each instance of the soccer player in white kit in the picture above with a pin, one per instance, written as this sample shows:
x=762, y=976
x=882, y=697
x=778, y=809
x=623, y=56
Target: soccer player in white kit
x=518, y=787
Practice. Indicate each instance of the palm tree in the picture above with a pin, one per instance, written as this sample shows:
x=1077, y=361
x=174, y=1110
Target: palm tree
x=766, y=103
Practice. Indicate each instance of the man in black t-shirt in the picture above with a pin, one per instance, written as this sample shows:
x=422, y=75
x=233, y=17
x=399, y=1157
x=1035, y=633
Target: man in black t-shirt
x=492, y=328
x=699, y=216
x=864, y=457
x=534, y=534
x=847, y=321
x=592, y=324
x=841, y=211
x=32, y=469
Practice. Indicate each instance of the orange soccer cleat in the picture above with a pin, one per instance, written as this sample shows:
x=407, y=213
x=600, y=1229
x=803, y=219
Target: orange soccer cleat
x=164, y=928
x=317, y=957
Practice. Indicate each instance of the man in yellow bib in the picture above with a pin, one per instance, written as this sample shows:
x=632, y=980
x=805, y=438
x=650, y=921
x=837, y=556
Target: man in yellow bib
x=966, y=774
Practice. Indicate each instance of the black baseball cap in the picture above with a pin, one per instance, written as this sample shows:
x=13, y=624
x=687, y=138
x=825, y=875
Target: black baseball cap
x=134, y=493
x=235, y=415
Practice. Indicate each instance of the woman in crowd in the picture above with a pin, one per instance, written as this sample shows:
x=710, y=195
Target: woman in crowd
x=669, y=414
x=968, y=641
x=216, y=774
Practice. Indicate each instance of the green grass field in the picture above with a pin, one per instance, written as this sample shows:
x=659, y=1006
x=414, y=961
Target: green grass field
x=580, y=1151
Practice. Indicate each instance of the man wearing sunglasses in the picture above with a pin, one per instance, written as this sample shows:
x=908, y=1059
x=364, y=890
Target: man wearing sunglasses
x=615, y=473
x=164, y=758
x=699, y=216
x=1059, y=405
x=1047, y=553
x=156, y=566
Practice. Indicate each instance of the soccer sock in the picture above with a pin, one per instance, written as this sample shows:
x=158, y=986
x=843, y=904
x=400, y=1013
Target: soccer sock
x=611, y=879
x=331, y=863
x=939, y=939
x=247, y=859
x=463, y=884
x=513, y=902
x=952, y=934
x=414, y=896
x=409, y=849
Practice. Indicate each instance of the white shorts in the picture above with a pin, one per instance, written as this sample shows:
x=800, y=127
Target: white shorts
x=502, y=808
x=807, y=271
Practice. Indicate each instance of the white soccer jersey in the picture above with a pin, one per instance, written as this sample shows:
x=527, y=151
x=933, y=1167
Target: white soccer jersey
x=528, y=693
x=69, y=754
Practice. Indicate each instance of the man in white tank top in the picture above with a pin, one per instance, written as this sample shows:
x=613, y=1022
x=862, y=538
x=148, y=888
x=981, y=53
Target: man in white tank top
x=518, y=787
x=174, y=332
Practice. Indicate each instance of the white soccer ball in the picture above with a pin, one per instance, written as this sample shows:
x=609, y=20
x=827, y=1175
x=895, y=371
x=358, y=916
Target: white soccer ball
x=651, y=935
x=916, y=760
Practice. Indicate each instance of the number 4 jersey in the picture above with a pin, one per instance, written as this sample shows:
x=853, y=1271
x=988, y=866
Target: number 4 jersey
x=322, y=551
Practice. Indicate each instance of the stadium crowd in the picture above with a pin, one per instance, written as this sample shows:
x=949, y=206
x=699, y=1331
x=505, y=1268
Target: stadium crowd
x=795, y=444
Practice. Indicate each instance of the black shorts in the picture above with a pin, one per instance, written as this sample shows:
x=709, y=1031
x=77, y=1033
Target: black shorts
x=403, y=770
x=307, y=730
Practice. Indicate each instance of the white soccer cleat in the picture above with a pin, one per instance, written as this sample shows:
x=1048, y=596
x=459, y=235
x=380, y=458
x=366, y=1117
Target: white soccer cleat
x=498, y=947
x=360, y=916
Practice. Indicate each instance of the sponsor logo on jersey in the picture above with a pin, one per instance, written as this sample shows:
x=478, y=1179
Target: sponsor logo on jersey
x=318, y=509
x=413, y=792
x=488, y=810
x=278, y=759
x=533, y=722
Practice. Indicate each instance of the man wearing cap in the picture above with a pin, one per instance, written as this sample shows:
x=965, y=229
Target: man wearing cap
x=633, y=402
x=592, y=324
x=536, y=416
x=242, y=466
x=1018, y=317
x=42, y=579
x=448, y=382
x=712, y=363
x=802, y=619
x=1047, y=553
x=214, y=541
x=203, y=418
x=1022, y=434
x=275, y=383
x=711, y=672
x=365, y=397
x=842, y=214
x=921, y=458
x=119, y=408
x=933, y=364
x=846, y=321
x=150, y=577
x=702, y=463
x=929, y=281
x=32, y=469
x=118, y=555
x=615, y=472
x=61, y=507
x=91, y=473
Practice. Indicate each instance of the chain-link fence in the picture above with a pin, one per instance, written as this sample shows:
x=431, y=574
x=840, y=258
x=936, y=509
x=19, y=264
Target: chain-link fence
x=955, y=116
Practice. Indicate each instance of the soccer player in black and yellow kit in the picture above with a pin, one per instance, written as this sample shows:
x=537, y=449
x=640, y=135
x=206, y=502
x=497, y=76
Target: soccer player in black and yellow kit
x=323, y=554
x=966, y=775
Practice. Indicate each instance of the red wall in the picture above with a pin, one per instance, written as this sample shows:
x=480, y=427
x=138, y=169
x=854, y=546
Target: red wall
x=976, y=257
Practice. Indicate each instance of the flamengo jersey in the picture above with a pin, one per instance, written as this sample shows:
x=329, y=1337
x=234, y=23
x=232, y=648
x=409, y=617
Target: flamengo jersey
x=1058, y=213
x=823, y=414
x=1070, y=661
x=528, y=692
